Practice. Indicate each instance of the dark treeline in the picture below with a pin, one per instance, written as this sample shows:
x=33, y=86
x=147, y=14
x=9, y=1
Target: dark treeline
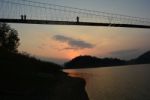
x=25, y=62
x=91, y=62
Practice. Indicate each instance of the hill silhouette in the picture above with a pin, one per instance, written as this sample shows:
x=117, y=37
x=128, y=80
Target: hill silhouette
x=26, y=78
x=142, y=59
x=91, y=62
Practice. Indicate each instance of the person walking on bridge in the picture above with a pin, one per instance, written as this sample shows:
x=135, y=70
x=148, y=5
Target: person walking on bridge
x=21, y=17
x=25, y=17
x=77, y=19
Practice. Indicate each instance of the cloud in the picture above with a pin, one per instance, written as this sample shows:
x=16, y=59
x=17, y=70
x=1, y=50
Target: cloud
x=73, y=43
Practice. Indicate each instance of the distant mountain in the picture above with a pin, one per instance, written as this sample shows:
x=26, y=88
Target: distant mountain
x=142, y=59
x=91, y=62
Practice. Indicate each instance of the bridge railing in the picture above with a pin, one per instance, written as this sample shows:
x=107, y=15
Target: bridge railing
x=13, y=9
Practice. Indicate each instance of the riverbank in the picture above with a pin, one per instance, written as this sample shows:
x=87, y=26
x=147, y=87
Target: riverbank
x=44, y=87
x=26, y=78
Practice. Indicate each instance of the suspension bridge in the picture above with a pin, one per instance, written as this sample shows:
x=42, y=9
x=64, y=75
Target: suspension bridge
x=34, y=12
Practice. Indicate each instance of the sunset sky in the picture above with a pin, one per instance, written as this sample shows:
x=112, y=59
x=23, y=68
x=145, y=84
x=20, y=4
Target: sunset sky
x=60, y=43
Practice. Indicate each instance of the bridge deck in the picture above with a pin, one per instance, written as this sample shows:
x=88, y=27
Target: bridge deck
x=28, y=21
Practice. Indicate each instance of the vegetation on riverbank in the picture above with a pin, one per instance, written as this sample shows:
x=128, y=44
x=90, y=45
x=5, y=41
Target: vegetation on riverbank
x=91, y=62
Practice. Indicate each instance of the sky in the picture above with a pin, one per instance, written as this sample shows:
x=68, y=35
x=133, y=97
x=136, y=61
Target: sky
x=60, y=43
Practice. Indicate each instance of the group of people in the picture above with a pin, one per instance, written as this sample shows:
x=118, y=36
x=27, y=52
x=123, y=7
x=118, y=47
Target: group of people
x=23, y=17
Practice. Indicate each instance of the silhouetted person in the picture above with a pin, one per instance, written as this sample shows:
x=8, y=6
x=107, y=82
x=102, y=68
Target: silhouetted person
x=25, y=17
x=77, y=19
x=21, y=17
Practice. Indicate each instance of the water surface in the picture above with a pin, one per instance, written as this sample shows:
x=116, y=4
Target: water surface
x=116, y=83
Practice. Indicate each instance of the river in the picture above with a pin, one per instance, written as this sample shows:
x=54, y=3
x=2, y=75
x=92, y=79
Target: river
x=130, y=82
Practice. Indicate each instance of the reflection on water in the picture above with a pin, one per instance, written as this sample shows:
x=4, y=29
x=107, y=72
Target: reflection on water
x=116, y=83
x=73, y=73
x=77, y=73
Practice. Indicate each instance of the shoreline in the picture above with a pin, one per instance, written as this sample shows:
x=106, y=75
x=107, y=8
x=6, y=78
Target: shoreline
x=107, y=66
x=63, y=87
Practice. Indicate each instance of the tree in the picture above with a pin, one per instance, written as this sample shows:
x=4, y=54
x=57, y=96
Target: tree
x=8, y=38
